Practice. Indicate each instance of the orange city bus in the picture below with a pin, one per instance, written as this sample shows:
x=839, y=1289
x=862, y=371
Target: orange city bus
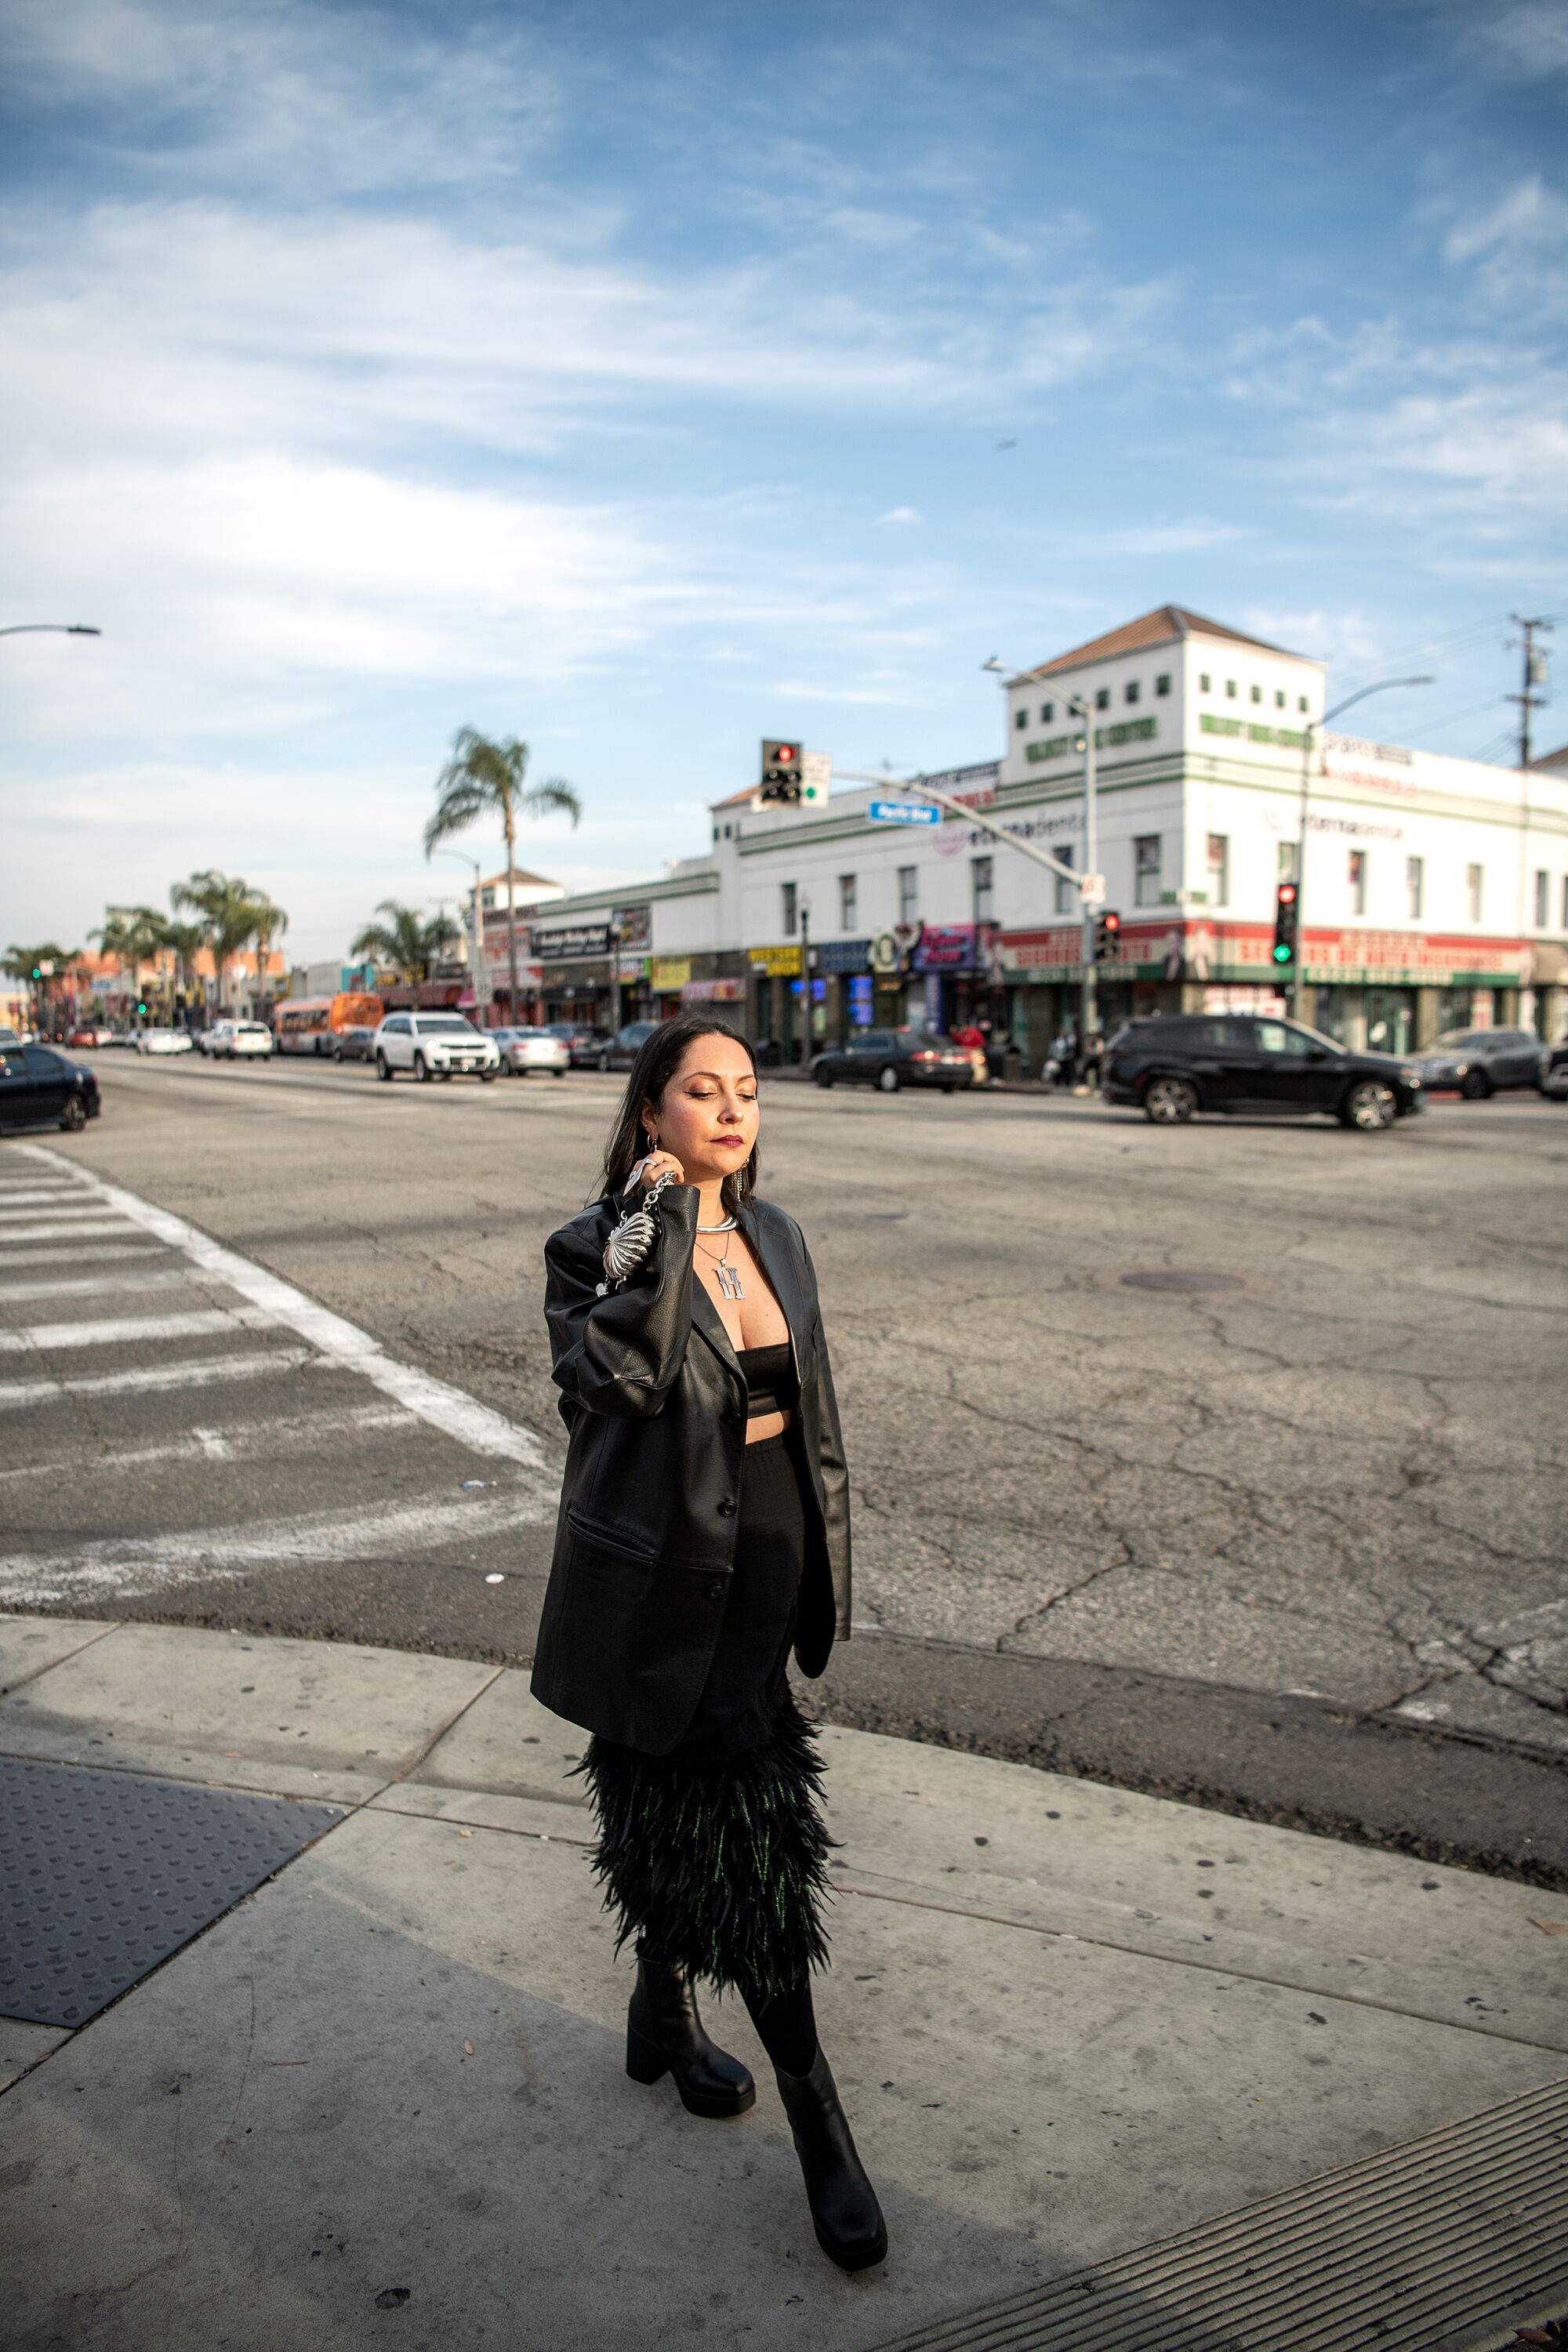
x=315, y=1025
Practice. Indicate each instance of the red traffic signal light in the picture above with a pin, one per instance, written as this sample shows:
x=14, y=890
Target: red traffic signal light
x=783, y=772
x=1107, y=935
x=1285, y=926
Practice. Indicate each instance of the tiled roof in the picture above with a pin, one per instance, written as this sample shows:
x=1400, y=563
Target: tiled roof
x=1159, y=627
x=736, y=800
x=1558, y=759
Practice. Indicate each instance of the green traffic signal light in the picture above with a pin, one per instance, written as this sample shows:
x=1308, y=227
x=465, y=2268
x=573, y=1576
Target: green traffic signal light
x=1281, y=953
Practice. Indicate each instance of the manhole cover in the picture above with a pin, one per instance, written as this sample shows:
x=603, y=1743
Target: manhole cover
x=1176, y=1278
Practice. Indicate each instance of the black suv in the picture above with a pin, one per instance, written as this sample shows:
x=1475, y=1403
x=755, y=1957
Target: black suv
x=1177, y=1063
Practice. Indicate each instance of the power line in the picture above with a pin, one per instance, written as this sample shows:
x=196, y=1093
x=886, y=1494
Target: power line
x=1532, y=674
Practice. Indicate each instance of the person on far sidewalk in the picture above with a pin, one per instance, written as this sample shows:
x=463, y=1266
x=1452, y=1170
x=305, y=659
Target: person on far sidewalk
x=703, y=1535
x=973, y=1040
x=1061, y=1062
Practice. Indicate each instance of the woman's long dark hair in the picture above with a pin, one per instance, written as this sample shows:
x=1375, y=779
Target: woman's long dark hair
x=658, y=1059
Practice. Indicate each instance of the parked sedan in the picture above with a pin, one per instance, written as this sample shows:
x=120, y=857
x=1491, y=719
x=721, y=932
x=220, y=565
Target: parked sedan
x=38, y=1086
x=164, y=1041
x=891, y=1058
x=1480, y=1062
x=525, y=1050
x=89, y=1037
x=619, y=1052
x=1552, y=1071
x=240, y=1041
x=354, y=1043
x=433, y=1046
x=583, y=1043
x=1175, y=1065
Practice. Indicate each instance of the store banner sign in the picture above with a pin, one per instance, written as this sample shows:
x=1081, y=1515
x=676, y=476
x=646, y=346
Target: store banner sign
x=843, y=955
x=572, y=940
x=949, y=947
x=637, y=928
x=780, y=962
x=670, y=974
x=731, y=991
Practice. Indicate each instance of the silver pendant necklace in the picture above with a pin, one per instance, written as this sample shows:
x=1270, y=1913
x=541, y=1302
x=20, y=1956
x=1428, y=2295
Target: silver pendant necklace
x=729, y=1275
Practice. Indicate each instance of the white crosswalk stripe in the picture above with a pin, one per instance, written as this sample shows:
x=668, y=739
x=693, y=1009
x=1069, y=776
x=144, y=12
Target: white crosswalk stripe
x=315, y=1406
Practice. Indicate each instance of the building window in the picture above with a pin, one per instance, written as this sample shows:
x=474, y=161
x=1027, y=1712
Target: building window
x=1278, y=698
x=1542, y=898
x=1219, y=869
x=1230, y=688
x=1562, y=926
x=1102, y=699
x=1475, y=890
x=909, y=894
x=1130, y=691
x=791, y=908
x=1258, y=693
x=1146, y=869
x=1301, y=702
x=1163, y=683
x=1022, y=716
x=1048, y=713
x=1288, y=862
x=846, y=902
x=1204, y=681
x=1414, y=881
x=984, y=889
x=1356, y=875
x=1067, y=901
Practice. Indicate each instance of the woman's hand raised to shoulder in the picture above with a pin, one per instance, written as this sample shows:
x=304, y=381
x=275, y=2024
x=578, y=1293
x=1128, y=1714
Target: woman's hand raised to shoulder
x=659, y=1163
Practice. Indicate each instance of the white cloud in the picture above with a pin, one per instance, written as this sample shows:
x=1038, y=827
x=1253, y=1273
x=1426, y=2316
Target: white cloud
x=901, y=514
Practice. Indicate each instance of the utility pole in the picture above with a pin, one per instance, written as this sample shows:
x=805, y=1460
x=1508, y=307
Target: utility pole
x=1088, y=1005
x=806, y=1040
x=1533, y=674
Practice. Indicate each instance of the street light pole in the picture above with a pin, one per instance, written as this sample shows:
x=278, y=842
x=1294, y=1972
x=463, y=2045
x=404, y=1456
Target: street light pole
x=482, y=993
x=1312, y=728
x=806, y=979
x=57, y=628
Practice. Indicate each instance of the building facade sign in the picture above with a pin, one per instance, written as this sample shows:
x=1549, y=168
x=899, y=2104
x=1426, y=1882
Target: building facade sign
x=636, y=926
x=842, y=955
x=1126, y=731
x=669, y=974
x=559, y=943
x=781, y=962
x=947, y=947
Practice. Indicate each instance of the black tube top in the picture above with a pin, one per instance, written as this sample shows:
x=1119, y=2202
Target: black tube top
x=771, y=1385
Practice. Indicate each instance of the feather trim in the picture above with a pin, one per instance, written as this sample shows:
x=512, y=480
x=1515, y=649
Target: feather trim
x=721, y=1870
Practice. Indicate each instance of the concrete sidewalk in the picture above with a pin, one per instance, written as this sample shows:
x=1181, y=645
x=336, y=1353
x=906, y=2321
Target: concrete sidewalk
x=1068, y=2023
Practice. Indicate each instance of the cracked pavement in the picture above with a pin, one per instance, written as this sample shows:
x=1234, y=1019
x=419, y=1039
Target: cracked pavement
x=1339, y=1483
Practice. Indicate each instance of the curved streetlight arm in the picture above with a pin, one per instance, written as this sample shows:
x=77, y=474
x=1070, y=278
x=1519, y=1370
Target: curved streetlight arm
x=61, y=628
x=1362, y=692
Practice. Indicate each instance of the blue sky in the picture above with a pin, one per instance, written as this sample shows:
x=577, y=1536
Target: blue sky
x=645, y=382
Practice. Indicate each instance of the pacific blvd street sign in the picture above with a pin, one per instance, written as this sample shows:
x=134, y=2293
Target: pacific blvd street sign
x=904, y=813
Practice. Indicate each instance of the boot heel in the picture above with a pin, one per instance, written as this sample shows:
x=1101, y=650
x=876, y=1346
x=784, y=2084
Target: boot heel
x=644, y=2062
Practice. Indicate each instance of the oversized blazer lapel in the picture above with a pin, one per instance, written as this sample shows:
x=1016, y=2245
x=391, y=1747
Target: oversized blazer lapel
x=706, y=1319
x=773, y=1255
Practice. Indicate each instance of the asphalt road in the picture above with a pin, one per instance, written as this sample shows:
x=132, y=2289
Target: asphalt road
x=1287, y=1540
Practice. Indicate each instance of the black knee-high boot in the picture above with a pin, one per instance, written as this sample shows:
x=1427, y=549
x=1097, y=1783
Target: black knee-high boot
x=844, y=2209
x=665, y=2035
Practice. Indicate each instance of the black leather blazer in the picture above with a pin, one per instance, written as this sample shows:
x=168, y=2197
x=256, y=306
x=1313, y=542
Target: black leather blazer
x=655, y=1407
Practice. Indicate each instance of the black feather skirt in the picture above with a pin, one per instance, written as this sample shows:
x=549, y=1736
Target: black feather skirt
x=714, y=1857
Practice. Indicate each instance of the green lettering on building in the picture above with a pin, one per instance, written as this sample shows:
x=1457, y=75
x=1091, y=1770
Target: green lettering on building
x=1290, y=738
x=1130, y=731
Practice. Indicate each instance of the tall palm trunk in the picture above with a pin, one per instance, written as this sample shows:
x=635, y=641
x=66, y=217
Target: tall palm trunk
x=511, y=915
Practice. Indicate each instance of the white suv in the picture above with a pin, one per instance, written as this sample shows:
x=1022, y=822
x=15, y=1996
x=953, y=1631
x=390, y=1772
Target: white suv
x=226, y=1039
x=433, y=1045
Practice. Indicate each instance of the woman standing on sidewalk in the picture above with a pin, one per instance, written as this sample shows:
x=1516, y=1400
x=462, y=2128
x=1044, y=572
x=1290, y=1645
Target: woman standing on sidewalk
x=703, y=1533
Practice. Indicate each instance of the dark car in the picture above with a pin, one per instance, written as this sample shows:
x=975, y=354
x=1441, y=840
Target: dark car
x=891, y=1058
x=582, y=1041
x=1552, y=1071
x=1170, y=1066
x=39, y=1087
x=619, y=1052
x=356, y=1043
x=1480, y=1062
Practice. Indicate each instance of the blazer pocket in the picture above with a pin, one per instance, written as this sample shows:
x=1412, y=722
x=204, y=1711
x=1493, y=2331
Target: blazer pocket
x=589, y=1532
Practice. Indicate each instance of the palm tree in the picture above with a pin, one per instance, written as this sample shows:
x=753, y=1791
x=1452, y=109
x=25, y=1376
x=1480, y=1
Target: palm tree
x=485, y=778
x=22, y=963
x=407, y=939
x=133, y=935
x=225, y=909
x=268, y=922
x=187, y=940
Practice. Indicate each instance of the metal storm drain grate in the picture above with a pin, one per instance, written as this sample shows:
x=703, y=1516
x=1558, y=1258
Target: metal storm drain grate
x=1446, y=2245
x=103, y=1874
x=1176, y=1278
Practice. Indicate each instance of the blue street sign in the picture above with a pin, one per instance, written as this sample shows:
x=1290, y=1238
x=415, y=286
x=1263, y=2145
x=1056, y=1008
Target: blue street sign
x=904, y=813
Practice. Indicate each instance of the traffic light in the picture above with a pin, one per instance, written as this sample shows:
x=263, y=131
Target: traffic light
x=782, y=770
x=1107, y=936
x=1285, y=927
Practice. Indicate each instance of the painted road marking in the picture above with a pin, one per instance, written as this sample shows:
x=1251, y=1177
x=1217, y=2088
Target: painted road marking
x=55, y=1233
x=475, y=1426
x=152, y=1563
x=149, y=1378
x=126, y=1331
x=140, y=1253
x=302, y=1431
x=85, y=1286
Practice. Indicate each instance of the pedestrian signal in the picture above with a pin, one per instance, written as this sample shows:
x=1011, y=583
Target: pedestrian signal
x=1107, y=936
x=1285, y=927
x=782, y=770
